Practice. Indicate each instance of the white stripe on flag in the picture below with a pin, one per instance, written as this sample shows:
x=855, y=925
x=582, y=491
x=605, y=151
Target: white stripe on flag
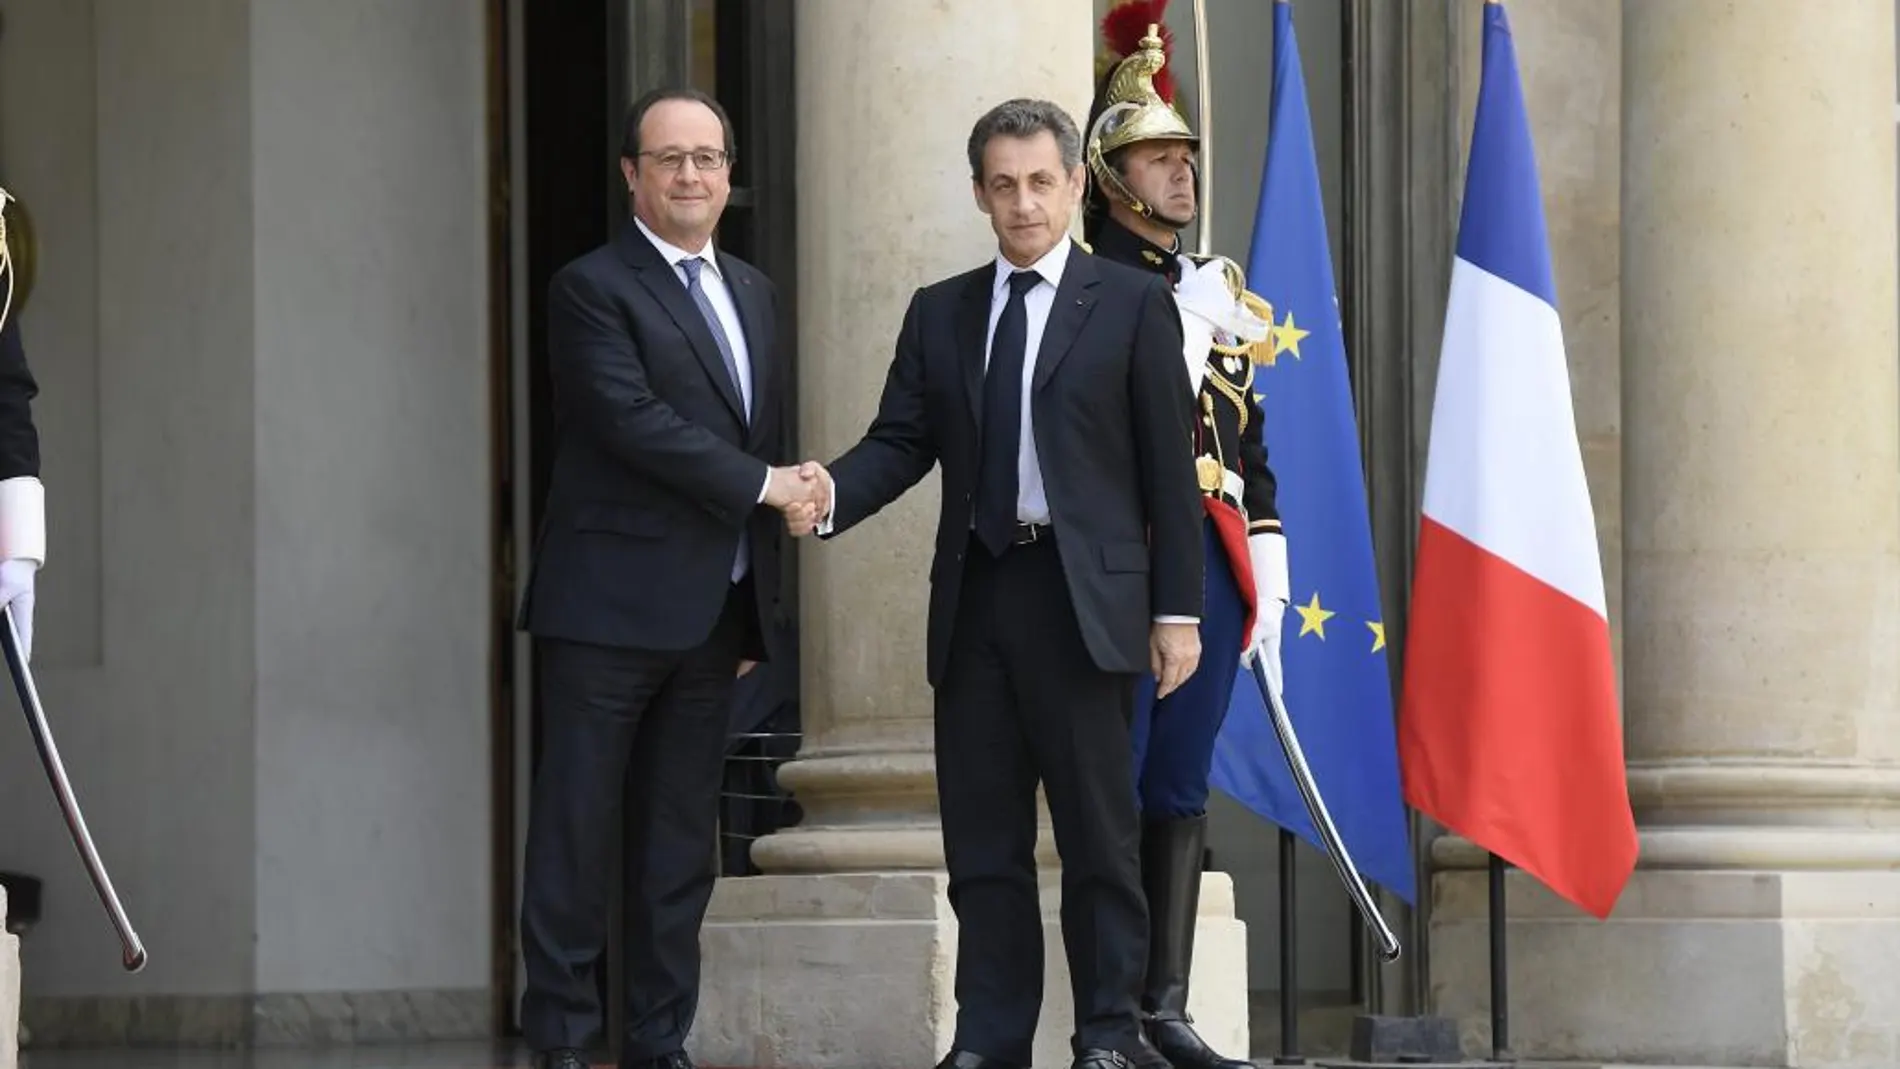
x=1505, y=468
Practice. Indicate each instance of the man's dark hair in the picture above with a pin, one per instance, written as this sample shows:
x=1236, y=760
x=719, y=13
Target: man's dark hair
x=630, y=133
x=1025, y=118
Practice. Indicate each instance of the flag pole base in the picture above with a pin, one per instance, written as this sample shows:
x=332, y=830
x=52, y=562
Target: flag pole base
x=1500, y=964
x=1289, y=954
x=1381, y=1040
x=1413, y=1065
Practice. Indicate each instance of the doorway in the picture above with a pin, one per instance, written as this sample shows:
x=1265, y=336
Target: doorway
x=568, y=73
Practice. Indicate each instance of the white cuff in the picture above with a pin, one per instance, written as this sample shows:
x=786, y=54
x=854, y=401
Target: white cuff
x=1270, y=580
x=23, y=519
x=823, y=530
x=1177, y=619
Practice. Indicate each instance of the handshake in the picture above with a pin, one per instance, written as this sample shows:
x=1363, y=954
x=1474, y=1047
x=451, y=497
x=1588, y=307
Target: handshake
x=802, y=493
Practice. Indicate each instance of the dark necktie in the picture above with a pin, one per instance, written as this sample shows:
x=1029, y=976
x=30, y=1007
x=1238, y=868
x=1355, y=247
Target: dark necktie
x=996, y=487
x=693, y=266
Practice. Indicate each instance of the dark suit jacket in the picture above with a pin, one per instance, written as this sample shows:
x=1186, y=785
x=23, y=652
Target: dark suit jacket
x=1113, y=418
x=656, y=475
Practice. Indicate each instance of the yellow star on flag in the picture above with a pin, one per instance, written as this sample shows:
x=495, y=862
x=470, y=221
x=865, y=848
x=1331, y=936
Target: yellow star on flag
x=1378, y=634
x=1286, y=337
x=1313, y=618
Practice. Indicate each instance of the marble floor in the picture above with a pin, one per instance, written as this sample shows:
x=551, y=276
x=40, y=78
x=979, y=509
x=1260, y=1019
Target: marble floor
x=394, y=1056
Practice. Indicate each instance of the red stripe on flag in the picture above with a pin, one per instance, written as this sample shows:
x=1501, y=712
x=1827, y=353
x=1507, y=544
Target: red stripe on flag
x=1509, y=732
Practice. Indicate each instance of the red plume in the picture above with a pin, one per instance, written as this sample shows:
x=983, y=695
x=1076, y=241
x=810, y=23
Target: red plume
x=1125, y=25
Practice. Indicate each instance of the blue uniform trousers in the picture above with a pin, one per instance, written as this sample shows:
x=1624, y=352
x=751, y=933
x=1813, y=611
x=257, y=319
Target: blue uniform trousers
x=1174, y=738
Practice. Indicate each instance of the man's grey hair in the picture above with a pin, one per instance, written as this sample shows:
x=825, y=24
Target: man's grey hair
x=1024, y=117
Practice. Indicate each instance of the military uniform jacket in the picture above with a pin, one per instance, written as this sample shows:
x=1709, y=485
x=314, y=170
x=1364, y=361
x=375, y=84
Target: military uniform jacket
x=1230, y=450
x=22, y=498
x=19, y=441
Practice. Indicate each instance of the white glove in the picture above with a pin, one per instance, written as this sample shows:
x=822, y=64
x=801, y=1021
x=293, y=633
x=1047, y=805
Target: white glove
x=1271, y=594
x=16, y=589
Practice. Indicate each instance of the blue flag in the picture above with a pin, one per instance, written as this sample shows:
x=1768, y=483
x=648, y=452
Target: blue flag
x=1338, y=686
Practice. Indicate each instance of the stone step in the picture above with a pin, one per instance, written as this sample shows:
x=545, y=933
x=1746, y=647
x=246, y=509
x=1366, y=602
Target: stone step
x=1329, y=1063
x=9, y=991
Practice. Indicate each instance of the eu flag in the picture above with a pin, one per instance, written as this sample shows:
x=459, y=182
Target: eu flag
x=1338, y=687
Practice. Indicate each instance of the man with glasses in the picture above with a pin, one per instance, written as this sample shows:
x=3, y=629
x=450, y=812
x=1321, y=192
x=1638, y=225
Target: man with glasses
x=654, y=578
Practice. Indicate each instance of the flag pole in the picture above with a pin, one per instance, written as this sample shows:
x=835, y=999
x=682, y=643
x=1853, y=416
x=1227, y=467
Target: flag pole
x=1289, y=957
x=1500, y=981
x=1203, y=82
x=1289, y=900
x=1500, y=978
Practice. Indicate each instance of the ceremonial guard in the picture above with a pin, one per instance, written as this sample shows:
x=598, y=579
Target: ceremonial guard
x=22, y=498
x=1141, y=158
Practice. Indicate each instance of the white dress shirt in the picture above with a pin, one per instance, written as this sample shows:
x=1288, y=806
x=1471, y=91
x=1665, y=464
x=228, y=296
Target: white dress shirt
x=713, y=283
x=1032, y=503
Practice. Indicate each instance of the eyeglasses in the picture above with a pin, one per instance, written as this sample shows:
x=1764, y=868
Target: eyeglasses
x=705, y=159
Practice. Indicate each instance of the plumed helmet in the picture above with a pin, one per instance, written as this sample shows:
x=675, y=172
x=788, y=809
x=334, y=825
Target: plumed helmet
x=1135, y=100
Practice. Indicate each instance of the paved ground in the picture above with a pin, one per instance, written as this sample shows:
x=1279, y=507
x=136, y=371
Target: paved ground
x=423, y=1056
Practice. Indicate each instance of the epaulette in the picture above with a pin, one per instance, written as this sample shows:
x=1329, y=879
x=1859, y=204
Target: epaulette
x=1259, y=352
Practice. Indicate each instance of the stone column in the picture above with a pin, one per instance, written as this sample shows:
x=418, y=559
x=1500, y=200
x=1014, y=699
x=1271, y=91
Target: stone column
x=1762, y=526
x=1761, y=532
x=843, y=955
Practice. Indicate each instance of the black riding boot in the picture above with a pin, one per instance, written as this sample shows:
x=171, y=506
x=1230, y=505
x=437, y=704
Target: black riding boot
x=1171, y=876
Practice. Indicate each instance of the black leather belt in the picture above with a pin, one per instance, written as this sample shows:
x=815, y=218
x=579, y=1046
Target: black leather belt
x=1026, y=533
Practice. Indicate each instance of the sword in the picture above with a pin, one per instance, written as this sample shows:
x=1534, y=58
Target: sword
x=132, y=951
x=1316, y=809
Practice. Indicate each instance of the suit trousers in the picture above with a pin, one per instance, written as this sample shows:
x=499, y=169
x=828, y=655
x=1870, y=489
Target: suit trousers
x=633, y=742
x=1022, y=701
x=1174, y=737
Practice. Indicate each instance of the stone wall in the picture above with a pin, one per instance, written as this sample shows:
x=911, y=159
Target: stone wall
x=260, y=333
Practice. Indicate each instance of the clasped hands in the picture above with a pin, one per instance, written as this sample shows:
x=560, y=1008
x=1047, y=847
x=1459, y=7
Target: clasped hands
x=802, y=493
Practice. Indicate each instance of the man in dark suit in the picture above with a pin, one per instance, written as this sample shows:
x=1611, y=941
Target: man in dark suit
x=1050, y=387
x=652, y=587
x=22, y=497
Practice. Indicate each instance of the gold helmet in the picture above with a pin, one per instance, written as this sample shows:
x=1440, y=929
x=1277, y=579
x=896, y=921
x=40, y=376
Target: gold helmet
x=1135, y=101
x=16, y=255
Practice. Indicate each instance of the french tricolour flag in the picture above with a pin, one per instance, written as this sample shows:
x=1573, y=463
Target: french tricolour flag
x=1509, y=731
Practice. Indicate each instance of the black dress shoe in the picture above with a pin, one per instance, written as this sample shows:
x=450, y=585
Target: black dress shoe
x=565, y=1058
x=1102, y=1059
x=963, y=1059
x=1175, y=1038
x=675, y=1060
